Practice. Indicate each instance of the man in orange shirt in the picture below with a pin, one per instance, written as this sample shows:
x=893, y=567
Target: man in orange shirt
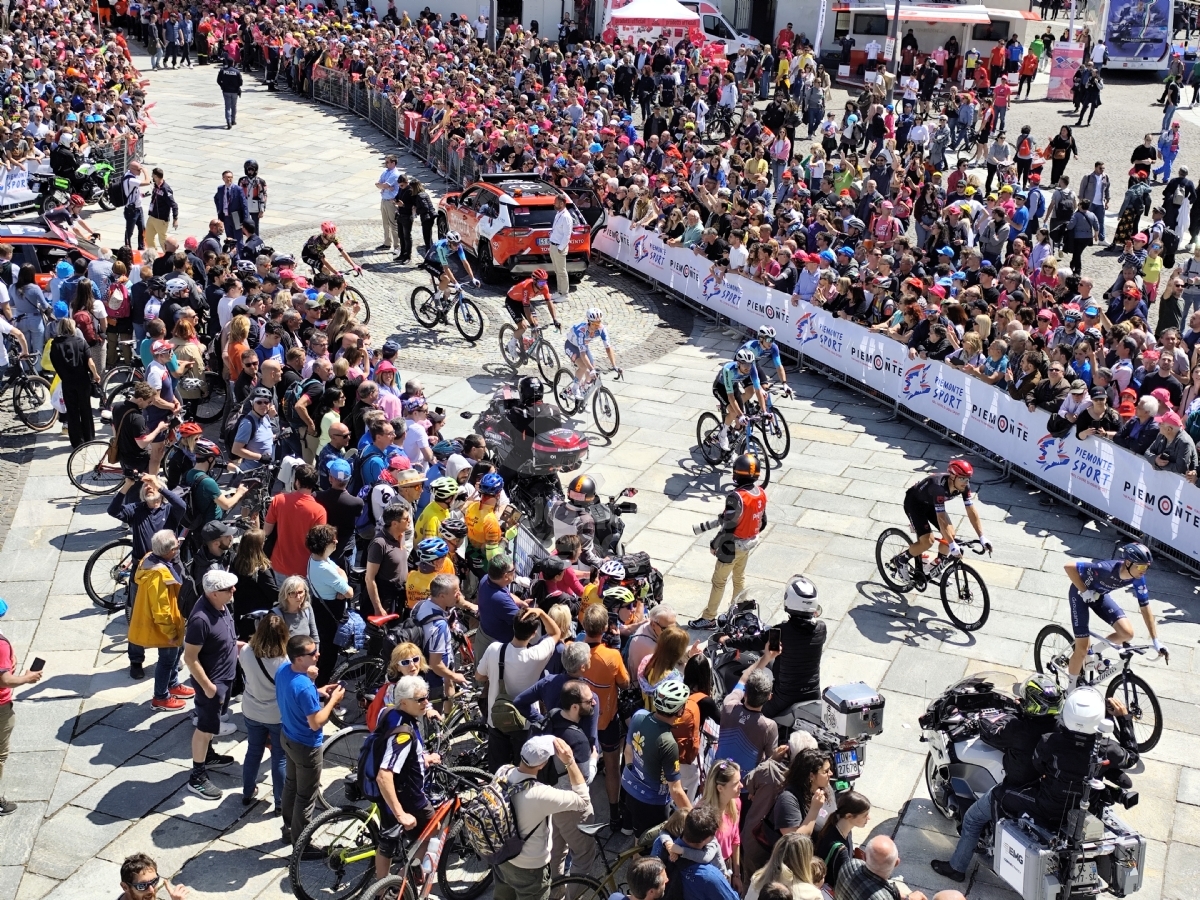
x=1029, y=67
x=293, y=514
x=996, y=62
x=606, y=674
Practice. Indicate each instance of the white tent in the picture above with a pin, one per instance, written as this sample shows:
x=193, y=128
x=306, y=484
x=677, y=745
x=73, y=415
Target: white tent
x=654, y=13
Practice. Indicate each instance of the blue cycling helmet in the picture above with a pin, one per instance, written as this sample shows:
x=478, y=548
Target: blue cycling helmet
x=64, y=269
x=491, y=484
x=3, y=607
x=1136, y=554
x=431, y=550
x=443, y=450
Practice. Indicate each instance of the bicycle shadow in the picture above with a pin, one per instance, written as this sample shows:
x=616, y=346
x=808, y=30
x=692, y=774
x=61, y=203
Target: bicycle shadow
x=889, y=617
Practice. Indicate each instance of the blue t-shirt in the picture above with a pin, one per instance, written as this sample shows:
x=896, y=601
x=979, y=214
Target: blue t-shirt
x=298, y=699
x=701, y=881
x=497, y=610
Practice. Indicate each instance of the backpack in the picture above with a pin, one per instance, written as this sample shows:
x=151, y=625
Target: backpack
x=357, y=486
x=191, y=519
x=505, y=715
x=118, y=301
x=490, y=821
x=230, y=428
x=287, y=405
x=1066, y=205
x=370, y=755
x=116, y=192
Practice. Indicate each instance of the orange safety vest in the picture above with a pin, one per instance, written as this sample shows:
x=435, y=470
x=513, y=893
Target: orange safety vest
x=754, y=507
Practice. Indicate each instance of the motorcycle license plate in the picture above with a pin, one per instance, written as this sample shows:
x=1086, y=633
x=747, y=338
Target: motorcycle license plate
x=846, y=762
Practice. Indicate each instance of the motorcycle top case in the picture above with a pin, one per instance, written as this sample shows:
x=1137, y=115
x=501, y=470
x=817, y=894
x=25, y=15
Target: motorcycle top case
x=853, y=710
x=560, y=448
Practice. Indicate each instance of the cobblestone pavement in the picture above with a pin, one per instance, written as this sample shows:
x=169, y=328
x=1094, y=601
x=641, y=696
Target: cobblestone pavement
x=97, y=775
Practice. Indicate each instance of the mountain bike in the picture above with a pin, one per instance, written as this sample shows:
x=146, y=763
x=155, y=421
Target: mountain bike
x=571, y=399
x=964, y=594
x=431, y=308
x=741, y=439
x=776, y=435
x=1052, y=652
x=534, y=346
x=615, y=878
x=30, y=391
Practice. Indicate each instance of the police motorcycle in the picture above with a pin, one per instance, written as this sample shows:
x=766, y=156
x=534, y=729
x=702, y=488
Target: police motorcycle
x=1094, y=851
x=842, y=720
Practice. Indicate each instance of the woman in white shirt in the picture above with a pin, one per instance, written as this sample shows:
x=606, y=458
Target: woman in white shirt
x=260, y=660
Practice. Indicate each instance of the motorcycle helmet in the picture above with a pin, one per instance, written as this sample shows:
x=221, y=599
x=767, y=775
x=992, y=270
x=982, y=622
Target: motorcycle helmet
x=617, y=596
x=531, y=390
x=766, y=333
x=491, y=484
x=250, y=167
x=64, y=269
x=670, y=697
x=745, y=355
x=746, y=469
x=800, y=598
x=613, y=568
x=177, y=288
x=430, y=550
x=206, y=450
x=443, y=489
x=582, y=489
x=66, y=139
x=1039, y=696
x=1083, y=710
x=453, y=529
x=960, y=468
x=1136, y=554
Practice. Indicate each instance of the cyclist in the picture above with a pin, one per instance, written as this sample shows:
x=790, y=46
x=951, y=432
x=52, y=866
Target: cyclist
x=925, y=506
x=520, y=302
x=314, y=249
x=732, y=387
x=484, y=535
x=67, y=218
x=765, y=347
x=441, y=493
x=432, y=560
x=437, y=261
x=576, y=347
x=1091, y=586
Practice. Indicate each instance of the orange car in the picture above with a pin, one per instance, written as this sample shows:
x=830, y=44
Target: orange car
x=505, y=220
x=44, y=247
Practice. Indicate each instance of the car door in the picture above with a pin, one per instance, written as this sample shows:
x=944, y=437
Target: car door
x=468, y=217
x=590, y=206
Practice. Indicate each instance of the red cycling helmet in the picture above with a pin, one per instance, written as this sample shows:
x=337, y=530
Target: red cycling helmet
x=328, y=228
x=76, y=200
x=960, y=468
x=190, y=429
x=540, y=275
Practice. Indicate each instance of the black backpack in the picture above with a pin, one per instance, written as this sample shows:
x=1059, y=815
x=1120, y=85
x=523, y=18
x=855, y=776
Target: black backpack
x=117, y=195
x=230, y=428
x=287, y=405
x=412, y=631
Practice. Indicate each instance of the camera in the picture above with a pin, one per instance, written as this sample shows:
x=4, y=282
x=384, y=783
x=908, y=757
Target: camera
x=174, y=421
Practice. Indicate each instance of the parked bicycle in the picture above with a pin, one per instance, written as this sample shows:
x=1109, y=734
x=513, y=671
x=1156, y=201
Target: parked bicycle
x=30, y=391
x=1052, y=652
x=533, y=346
x=432, y=308
x=580, y=886
x=964, y=593
x=572, y=397
x=741, y=439
x=352, y=294
x=91, y=472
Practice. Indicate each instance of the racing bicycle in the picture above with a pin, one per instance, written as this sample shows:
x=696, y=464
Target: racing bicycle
x=351, y=294
x=431, y=308
x=91, y=472
x=572, y=399
x=741, y=439
x=774, y=427
x=1052, y=652
x=536, y=347
x=964, y=594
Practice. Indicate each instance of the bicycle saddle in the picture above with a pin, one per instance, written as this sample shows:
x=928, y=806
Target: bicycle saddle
x=594, y=828
x=381, y=621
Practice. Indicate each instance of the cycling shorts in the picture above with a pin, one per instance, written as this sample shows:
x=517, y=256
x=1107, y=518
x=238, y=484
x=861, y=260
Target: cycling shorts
x=516, y=309
x=1105, y=607
x=315, y=260
x=574, y=352
x=721, y=393
x=435, y=267
x=921, y=516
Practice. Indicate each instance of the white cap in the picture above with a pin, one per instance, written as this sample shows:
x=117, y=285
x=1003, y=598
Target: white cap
x=538, y=750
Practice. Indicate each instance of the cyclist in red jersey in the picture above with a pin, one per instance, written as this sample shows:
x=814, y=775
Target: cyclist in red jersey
x=519, y=302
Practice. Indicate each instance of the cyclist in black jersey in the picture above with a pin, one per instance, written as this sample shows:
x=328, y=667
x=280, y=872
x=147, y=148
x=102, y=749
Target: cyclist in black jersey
x=925, y=506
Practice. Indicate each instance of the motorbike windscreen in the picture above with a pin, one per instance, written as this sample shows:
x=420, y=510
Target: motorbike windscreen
x=1000, y=682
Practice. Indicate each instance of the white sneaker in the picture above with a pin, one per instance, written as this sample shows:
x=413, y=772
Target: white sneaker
x=723, y=439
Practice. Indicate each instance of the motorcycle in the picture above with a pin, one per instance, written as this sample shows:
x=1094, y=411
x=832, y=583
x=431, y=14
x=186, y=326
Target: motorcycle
x=91, y=182
x=1094, y=851
x=52, y=190
x=607, y=516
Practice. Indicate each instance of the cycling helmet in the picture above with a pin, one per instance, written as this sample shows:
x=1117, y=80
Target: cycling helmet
x=617, y=596
x=443, y=450
x=453, y=529
x=246, y=266
x=531, y=390
x=328, y=228
x=1083, y=710
x=190, y=429
x=491, y=484
x=582, y=489
x=746, y=469
x=64, y=269
x=443, y=488
x=250, y=167
x=177, y=287
x=76, y=200
x=157, y=283
x=594, y=315
x=1039, y=696
x=766, y=333
x=745, y=355
x=540, y=275
x=283, y=260
x=454, y=237
x=1136, y=554
x=670, y=697
x=800, y=598
x=613, y=568
x=206, y=450
x=960, y=468
x=430, y=550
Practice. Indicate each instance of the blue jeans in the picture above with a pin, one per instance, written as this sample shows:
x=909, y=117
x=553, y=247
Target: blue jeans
x=166, y=671
x=1167, y=162
x=1168, y=114
x=974, y=822
x=256, y=743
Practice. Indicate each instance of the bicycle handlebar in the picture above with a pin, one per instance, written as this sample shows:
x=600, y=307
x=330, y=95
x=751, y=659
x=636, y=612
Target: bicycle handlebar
x=976, y=547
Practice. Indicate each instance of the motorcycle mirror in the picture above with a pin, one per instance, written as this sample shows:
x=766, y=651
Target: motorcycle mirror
x=466, y=414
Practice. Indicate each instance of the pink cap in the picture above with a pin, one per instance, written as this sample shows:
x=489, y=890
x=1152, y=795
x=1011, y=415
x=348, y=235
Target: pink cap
x=161, y=347
x=1162, y=395
x=1170, y=419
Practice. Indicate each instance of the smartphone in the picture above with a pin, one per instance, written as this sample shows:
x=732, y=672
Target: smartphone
x=37, y=665
x=774, y=639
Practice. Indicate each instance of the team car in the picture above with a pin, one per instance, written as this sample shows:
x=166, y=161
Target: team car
x=43, y=245
x=505, y=220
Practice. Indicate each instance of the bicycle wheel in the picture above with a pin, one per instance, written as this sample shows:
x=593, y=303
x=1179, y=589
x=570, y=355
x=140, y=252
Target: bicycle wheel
x=888, y=547
x=362, y=675
x=1052, y=652
x=576, y=887
x=119, y=394
x=547, y=360
x=510, y=346
x=564, y=380
x=468, y=319
x=776, y=435
x=424, y=306
x=108, y=572
x=394, y=887
x=707, y=427
x=605, y=412
x=90, y=471
x=344, y=861
x=965, y=597
x=755, y=446
x=32, y=404
x=1139, y=699
x=364, y=308
x=461, y=874
x=212, y=407
x=115, y=376
x=340, y=760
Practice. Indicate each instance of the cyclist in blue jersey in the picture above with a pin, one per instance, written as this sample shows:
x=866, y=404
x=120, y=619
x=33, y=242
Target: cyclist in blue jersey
x=735, y=381
x=576, y=347
x=764, y=347
x=1091, y=587
x=437, y=261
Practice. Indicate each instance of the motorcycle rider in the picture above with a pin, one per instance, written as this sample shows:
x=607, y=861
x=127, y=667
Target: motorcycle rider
x=527, y=419
x=802, y=639
x=574, y=517
x=1018, y=734
x=744, y=518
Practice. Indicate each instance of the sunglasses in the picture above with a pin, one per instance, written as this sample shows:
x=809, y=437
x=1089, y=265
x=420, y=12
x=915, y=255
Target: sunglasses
x=410, y=662
x=146, y=885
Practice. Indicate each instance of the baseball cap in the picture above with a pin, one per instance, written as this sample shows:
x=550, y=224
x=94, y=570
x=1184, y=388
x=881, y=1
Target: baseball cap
x=218, y=580
x=1079, y=386
x=399, y=463
x=161, y=347
x=1162, y=395
x=412, y=404
x=1097, y=393
x=945, y=251
x=1170, y=419
x=339, y=469
x=538, y=750
x=1091, y=310
x=213, y=530
x=1045, y=314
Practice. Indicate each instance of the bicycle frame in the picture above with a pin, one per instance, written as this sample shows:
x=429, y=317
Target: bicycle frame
x=439, y=825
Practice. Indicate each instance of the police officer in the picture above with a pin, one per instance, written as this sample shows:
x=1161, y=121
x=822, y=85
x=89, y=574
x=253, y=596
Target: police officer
x=574, y=517
x=744, y=518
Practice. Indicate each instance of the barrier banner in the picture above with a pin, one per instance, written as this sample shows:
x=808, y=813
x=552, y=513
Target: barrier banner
x=14, y=189
x=1063, y=65
x=1127, y=487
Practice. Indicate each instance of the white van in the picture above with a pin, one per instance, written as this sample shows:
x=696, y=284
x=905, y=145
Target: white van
x=719, y=29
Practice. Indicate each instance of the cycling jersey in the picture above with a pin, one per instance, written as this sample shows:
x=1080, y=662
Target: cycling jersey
x=935, y=491
x=1105, y=575
x=771, y=354
x=581, y=335
x=729, y=377
x=526, y=291
x=316, y=246
x=441, y=252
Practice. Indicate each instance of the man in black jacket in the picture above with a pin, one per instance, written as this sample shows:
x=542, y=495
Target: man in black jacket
x=229, y=79
x=406, y=207
x=1178, y=189
x=163, y=208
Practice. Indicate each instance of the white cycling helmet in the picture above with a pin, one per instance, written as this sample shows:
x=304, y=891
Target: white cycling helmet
x=800, y=598
x=613, y=568
x=1083, y=710
x=454, y=237
x=177, y=287
x=594, y=315
x=744, y=356
x=766, y=333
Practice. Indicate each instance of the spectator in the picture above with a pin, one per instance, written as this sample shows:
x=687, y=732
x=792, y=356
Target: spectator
x=342, y=508
x=78, y=375
x=293, y=514
x=9, y=680
x=801, y=805
x=330, y=588
x=387, y=562
x=747, y=736
x=790, y=865
x=576, y=660
x=140, y=880
x=835, y=844
x=430, y=614
x=157, y=621
x=607, y=676
x=295, y=608
x=651, y=778
x=699, y=880
x=1139, y=432
x=645, y=638
x=498, y=608
x=565, y=721
x=258, y=586
x=260, y=660
x=1173, y=450
x=868, y=879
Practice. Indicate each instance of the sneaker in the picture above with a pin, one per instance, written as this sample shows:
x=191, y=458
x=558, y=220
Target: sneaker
x=703, y=624
x=182, y=691
x=947, y=871
x=137, y=671
x=7, y=807
x=216, y=760
x=204, y=788
x=723, y=440
x=384, y=247
x=168, y=703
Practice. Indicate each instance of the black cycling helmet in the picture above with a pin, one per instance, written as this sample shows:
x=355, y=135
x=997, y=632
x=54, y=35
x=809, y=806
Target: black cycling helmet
x=453, y=529
x=250, y=167
x=531, y=390
x=746, y=469
x=157, y=283
x=582, y=489
x=1136, y=554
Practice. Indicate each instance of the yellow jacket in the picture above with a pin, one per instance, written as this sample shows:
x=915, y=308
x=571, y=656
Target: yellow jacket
x=156, y=620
